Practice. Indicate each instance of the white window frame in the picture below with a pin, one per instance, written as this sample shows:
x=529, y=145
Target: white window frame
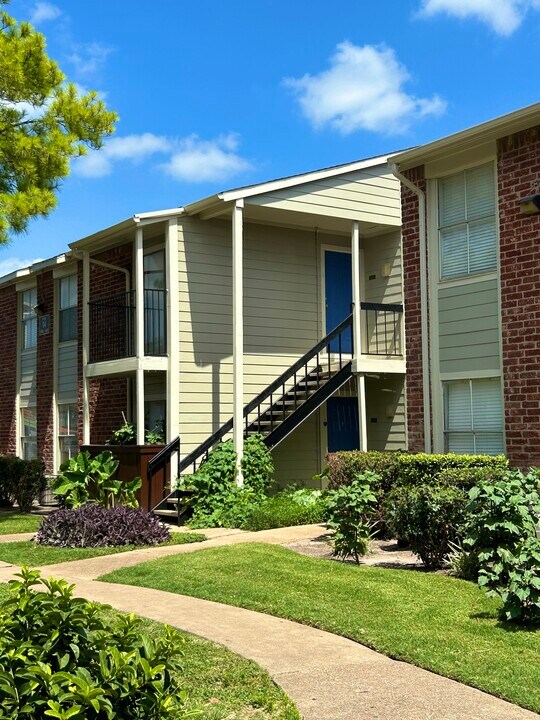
x=467, y=223
x=23, y=439
x=32, y=318
x=472, y=431
x=61, y=309
x=74, y=430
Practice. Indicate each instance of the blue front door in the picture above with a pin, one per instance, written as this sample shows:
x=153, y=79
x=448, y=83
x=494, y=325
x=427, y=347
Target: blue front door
x=342, y=424
x=338, y=290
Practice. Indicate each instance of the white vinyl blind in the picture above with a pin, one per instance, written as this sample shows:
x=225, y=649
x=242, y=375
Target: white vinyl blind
x=467, y=223
x=474, y=416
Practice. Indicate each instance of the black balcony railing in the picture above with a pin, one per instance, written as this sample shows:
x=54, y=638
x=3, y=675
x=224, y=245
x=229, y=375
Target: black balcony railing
x=155, y=322
x=382, y=327
x=112, y=326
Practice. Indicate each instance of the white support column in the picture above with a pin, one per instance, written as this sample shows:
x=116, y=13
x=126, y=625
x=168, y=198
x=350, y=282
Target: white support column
x=139, y=333
x=238, y=335
x=86, y=346
x=173, y=367
x=357, y=288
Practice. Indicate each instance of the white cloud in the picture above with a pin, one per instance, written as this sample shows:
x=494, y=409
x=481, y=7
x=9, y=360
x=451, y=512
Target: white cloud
x=197, y=160
x=44, y=11
x=362, y=90
x=89, y=59
x=11, y=264
x=503, y=16
x=189, y=159
x=131, y=148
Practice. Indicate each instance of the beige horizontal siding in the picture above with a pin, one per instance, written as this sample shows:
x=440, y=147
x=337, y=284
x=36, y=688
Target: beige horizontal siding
x=385, y=411
x=281, y=322
x=27, y=389
x=469, y=327
x=370, y=195
x=67, y=372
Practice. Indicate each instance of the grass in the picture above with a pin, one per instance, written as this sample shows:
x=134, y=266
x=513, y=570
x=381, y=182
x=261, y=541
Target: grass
x=11, y=523
x=282, y=511
x=223, y=685
x=436, y=622
x=25, y=552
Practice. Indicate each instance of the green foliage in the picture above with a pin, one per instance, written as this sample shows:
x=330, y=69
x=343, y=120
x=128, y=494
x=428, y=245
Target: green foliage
x=60, y=657
x=501, y=532
x=462, y=563
x=21, y=481
x=429, y=517
x=350, y=514
x=84, y=479
x=296, y=507
x=157, y=435
x=218, y=501
x=257, y=464
x=126, y=434
x=44, y=122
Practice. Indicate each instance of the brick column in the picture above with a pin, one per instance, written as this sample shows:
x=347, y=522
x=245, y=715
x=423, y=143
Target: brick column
x=413, y=321
x=518, y=177
x=44, y=374
x=8, y=369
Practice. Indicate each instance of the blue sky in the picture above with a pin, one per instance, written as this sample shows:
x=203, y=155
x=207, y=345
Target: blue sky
x=214, y=94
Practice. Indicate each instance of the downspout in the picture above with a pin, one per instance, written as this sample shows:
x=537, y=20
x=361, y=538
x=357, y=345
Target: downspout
x=423, y=299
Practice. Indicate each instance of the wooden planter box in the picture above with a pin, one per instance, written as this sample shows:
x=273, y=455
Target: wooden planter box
x=134, y=461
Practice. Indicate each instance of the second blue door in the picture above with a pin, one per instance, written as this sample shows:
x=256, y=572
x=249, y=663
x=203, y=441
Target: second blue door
x=338, y=291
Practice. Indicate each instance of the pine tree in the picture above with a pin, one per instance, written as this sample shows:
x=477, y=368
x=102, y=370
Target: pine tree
x=44, y=122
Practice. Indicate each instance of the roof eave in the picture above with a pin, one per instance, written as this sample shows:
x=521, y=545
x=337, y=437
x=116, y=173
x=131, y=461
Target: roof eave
x=462, y=140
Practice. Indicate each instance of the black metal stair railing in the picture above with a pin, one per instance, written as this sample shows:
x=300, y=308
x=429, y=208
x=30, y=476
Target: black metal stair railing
x=309, y=375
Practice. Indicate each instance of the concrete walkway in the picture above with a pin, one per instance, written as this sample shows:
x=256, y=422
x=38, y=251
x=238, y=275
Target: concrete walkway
x=329, y=677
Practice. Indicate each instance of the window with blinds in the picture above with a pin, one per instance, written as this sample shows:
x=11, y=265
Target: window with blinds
x=467, y=222
x=29, y=319
x=474, y=416
x=67, y=313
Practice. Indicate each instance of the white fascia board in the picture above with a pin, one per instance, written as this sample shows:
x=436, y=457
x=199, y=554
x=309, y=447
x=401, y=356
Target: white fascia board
x=262, y=188
x=34, y=268
x=157, y=214
x=491, y=130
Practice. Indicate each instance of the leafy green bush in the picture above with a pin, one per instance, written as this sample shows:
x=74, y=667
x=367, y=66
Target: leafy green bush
x=5, y=480
x=257, y=464
x=350, y=512
x=84, y=479
x=27, y=480
x=61, y=657
x=300, y=507
x=429, y=517
x=501, y=532
x=398, y=468
x=217, y=500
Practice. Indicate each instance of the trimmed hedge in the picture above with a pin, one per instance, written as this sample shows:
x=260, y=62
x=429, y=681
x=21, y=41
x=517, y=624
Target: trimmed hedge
x=399, y=468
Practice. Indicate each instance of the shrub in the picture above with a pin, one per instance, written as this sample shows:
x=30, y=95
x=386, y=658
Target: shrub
x=350, y=512
x=95, y=526
x=6, y=500
x=501, y=532
x=257, y=464
x=397, y=468
x=428, y=517
x=27, y=480
x=218, y=501
x=462, y=563
x=301, y=507
x=85, y=479
x=63, y=657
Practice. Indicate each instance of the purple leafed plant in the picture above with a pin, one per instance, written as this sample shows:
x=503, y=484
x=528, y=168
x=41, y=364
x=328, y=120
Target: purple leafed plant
x=95, y=526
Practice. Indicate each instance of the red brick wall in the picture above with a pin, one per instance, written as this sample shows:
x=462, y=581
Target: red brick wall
x=519, y=176
x=413, y=323
x=108, y=396
x=45, y=373
x=8, y=368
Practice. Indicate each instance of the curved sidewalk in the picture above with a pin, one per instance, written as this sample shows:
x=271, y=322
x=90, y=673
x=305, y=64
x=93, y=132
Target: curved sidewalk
x=328, y=676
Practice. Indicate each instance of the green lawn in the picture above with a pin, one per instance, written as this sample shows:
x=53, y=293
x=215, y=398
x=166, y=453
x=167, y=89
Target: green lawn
x=223, y=685
x=30, y=553
x=431, y=620
x=11, y=523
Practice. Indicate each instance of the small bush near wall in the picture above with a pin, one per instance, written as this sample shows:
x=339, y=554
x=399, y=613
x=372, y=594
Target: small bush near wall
x=21, y=482
x=287, y=508
x=95, y=526
x=63, y=657
x=429, y=517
